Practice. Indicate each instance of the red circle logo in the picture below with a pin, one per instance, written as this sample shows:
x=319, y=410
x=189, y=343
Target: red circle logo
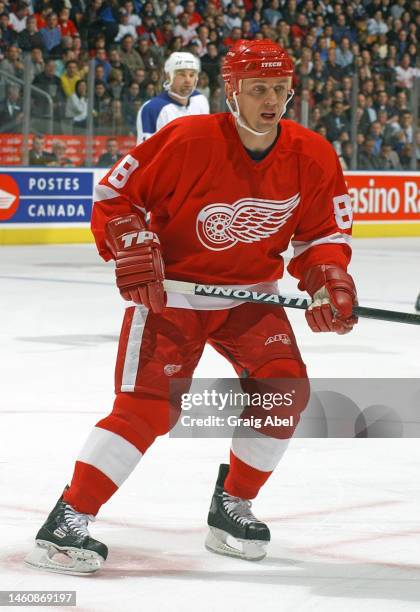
x=9, y=197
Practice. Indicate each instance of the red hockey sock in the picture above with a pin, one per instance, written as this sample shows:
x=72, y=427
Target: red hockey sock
x=89, y=489
x=243, y=480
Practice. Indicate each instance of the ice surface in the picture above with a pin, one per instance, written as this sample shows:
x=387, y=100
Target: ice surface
x=344, y=514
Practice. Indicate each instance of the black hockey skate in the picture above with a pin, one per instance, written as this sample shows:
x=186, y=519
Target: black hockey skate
x=63, y=543
x=232, y=516
x=417, y=304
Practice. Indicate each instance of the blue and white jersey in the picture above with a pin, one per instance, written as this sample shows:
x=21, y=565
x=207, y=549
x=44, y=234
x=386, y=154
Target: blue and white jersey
x=162, y=109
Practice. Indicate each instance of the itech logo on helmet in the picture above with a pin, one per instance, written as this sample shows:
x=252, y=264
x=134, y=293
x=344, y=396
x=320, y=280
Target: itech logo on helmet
x=270, y=64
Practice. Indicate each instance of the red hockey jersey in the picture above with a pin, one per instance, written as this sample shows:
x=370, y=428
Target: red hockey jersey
x=223, y=218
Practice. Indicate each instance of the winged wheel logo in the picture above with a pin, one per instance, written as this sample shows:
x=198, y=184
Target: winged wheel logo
x=221, y=226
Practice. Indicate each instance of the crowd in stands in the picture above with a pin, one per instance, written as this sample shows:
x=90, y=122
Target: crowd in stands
x=129, y=40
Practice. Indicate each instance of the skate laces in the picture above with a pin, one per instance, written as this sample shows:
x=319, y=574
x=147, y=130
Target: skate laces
x=237, y=508
x=77, y=521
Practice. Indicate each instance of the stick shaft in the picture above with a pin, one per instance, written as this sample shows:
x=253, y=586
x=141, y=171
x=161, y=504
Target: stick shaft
x=259, y=297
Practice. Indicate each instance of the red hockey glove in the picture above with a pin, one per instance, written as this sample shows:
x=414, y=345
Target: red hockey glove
x=139, y=268
x=333, y=297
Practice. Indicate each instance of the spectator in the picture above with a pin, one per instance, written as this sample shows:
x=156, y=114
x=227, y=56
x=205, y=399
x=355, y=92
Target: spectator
x=344, y=56
x=231, y=18
x=139, y=77
x=125, y=27
x=315, y=118
x=30, y=37
x=375, y=133
x=272, y=14
x=203, y=85
x=111, y=155
x=405, y=74
x=116, y=63
x=210, y=63
x=194, y=17
x=7, y=34
x=341, y=29
x=58, y=157
x=101, y=59
x=201, y=40
x=50, y=84
x=77, y=106
x=335, y=122
x=283, y=33
x=133, y=18
x=51, y=35
x=398, y=8
x=69, y=78
x=235, y=35
x=376, y=26
x=116, y=83
x=37, y=61
x=367, y=159
x=405, y=156
x=346, y=156
x=184, y=30
x=101, y=107
x=150, y=58
x=290, y=13
x=319, y=71
x=406, y=126
x=382, y=102
x=67, y=55
x=65, y=24
x=333, y=69
x=300, y=28
x=11, y=115
x=131, y=102
x=172, y=12
x=19, y=16
x=388, y=159
x=12, y=63
x=37, y=155
x=117, y=125
x=128, y=55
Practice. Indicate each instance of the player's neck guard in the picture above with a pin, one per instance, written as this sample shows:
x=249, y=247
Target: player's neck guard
x=242, y=124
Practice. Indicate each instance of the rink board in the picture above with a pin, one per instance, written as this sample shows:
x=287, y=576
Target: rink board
x=54, y=205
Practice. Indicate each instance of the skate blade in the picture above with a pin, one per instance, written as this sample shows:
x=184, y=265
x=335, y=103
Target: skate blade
x=251, y=550
x=63, y=560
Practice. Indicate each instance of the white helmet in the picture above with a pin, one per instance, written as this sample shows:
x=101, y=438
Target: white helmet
x=181, y=61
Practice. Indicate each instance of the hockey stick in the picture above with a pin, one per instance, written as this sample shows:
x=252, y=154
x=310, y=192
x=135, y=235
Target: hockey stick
x=244, y=295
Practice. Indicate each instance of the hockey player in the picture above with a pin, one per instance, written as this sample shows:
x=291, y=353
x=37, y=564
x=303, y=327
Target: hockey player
x=180, y=98
x=417, y=304
x=226, y=193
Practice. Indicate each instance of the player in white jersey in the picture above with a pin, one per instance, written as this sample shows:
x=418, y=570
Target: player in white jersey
x=180, y=98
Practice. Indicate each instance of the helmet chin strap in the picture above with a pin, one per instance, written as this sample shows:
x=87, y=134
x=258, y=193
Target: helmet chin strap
x=240, y=122
x=167, y=86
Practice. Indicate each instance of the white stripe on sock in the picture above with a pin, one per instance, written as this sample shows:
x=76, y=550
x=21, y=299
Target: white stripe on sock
x=111, y=454
x=260, y=452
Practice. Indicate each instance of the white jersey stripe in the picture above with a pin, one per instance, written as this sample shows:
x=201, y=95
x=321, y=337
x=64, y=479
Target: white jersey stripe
x=132, y=355
x=260, y=452
x=111, y=454
x=102, y=192
x=337, y=238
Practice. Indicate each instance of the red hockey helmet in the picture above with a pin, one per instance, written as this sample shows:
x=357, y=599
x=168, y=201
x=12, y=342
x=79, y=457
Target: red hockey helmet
x=250, y=59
